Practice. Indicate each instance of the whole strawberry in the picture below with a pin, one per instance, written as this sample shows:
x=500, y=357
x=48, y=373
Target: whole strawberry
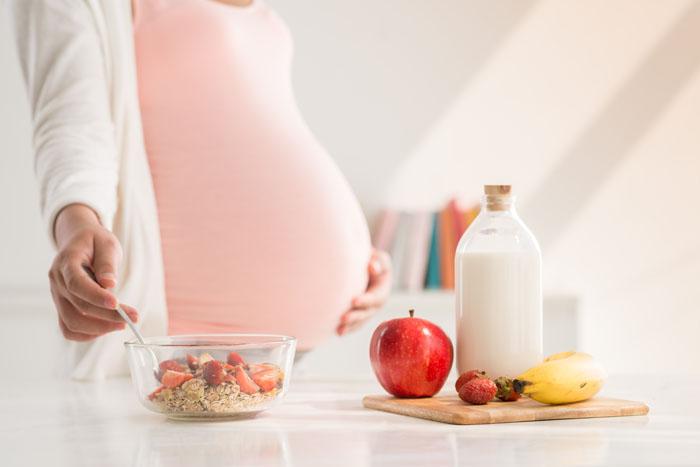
x=505, y=389
x=468, y=376
x=214, y=372
x=478, y=391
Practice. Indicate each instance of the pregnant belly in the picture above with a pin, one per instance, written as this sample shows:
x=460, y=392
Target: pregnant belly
x=265, y=236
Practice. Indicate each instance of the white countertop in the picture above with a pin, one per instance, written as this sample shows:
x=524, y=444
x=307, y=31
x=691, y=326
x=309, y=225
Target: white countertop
x=61, y=423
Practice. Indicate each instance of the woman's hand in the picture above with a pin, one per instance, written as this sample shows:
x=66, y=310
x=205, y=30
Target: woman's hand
x=86, y=309
x=365, y=305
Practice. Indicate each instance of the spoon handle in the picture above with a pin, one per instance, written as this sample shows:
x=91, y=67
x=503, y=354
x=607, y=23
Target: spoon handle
x=139, y=337
x=121, y=312
x=131, y=324
x=134, y=329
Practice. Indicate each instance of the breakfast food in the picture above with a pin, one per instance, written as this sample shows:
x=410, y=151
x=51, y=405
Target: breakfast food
x=172, y=379
x=196, y=385
x=411, y=357
x=468, y=376
x=483, y=389
x=498, y=289
x=562, y=378
x=214, y=373
x=478, y=391
x=506, y=392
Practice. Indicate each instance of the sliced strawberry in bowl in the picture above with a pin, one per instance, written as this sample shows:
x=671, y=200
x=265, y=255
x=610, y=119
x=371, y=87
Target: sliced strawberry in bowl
x=254, y=368
x=172, y=379
x=214, y=372
x=155, y=393
x=229, y=378
x=204, y=358
x=246, y=384
x=234, y=358
x=192, y=362
x=166, y=365
x=268, y=379
x=171, y=365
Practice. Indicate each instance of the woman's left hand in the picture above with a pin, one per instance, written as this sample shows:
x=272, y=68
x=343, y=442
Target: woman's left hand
x=378, y=288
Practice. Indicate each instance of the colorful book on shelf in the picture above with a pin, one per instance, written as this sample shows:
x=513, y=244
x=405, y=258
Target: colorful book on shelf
x=447, y=245
x=470, y=214
x=398, y=248
x=416, y=253
x=432, y=275
x=422, y=245
x=385, y=228
x=458, y=217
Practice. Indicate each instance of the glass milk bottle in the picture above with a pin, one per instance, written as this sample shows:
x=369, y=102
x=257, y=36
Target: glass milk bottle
x=498, y=290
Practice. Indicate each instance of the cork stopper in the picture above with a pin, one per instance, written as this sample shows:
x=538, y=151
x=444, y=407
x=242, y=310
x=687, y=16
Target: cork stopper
x=497, y=189
x=497, y=197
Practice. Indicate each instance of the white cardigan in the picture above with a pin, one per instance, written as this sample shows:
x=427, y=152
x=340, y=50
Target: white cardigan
x=77, y=57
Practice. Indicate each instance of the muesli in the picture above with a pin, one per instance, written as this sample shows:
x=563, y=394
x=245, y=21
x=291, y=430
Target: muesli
x=203, y=384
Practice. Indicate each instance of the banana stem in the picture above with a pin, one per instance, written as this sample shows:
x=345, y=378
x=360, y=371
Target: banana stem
x=519, y=385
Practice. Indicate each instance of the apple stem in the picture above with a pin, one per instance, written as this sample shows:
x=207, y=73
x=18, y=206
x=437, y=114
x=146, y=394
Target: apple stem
x=410, y=312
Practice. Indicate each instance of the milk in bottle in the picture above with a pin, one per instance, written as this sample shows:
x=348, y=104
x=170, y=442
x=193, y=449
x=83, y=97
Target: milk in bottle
x=498, y=290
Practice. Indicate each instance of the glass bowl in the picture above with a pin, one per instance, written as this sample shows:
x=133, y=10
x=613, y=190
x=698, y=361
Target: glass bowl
x=207, y=376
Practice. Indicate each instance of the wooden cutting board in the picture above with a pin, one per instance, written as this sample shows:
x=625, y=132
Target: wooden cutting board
x=450, y=409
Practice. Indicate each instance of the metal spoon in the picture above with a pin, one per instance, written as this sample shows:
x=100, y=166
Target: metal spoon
x=139, y=337
x=132, y=326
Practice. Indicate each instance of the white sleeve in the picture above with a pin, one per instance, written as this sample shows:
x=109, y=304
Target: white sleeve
x=65, y=71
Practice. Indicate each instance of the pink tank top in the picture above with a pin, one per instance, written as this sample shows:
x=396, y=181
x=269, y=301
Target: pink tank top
x=260, y=231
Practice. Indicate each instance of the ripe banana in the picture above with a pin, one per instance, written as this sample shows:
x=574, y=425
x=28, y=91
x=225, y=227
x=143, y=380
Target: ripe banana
x=562, y=378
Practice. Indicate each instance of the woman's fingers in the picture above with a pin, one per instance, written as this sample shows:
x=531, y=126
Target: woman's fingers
x=376, y=293
x=379, y=263
x=61, y=305
x=353, y=319
x=369, y=299
x=379, y=284
x=67, y=333
x=79, y=323
x=79, y=283
x=379, y=271
x=355, y=316
x=88, y=309
x=107, y=255
x=131, y=311
x=73, y=336
x=372, y=299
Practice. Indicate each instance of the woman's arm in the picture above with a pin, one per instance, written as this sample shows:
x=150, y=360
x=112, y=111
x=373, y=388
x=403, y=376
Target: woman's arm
x=65, y=71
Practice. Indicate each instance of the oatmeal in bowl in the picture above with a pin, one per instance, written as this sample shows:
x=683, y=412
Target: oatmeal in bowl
x=211, y=376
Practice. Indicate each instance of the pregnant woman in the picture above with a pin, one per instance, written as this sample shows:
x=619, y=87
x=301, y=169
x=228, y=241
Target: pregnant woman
x=174, y=165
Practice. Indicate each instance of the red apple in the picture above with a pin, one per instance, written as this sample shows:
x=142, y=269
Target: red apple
x=410, y=356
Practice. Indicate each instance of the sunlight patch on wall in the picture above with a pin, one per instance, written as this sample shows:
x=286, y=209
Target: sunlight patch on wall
x=531, y=99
